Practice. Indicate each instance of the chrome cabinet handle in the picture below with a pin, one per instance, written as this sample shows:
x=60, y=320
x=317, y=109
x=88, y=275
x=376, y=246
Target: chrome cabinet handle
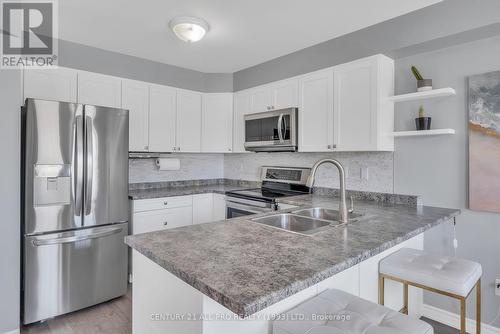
x=165, y=203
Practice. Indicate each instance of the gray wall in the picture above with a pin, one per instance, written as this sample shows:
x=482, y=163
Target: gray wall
x=448, y=22
x=10, y=97
x=92, y=59
x=436, y=167
x=379, y=164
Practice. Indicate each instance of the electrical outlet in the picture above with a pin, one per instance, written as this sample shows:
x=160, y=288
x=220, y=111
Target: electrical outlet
x=364, y=173
x=497, y=287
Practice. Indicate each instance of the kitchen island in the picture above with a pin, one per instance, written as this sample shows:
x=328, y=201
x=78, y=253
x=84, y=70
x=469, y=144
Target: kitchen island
x=233, y=276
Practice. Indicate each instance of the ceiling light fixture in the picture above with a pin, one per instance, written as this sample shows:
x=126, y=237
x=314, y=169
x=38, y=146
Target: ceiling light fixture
x=189, y=29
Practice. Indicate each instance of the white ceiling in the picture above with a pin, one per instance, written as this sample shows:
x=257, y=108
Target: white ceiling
x=242, y=33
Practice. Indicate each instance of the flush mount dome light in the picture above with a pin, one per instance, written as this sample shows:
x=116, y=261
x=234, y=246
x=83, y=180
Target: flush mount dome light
x=189, y=29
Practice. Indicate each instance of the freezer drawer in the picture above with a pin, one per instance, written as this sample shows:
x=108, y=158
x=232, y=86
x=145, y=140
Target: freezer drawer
x=67, y=271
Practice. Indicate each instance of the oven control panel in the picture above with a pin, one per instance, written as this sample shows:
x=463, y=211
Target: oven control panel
x=292, y=175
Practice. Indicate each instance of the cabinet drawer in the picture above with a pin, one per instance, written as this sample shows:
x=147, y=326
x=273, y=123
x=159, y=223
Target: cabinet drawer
x=163, y=203
x=149, y=221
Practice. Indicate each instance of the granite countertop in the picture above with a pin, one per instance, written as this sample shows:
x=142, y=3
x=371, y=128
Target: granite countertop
x=181, y=188
x=246, y=266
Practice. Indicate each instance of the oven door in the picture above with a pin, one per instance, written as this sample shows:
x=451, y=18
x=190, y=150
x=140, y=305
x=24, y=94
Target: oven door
x=273, y=130
x=239, y=207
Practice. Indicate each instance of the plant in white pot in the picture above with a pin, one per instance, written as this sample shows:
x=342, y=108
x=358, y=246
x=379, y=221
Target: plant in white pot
x=422, y=84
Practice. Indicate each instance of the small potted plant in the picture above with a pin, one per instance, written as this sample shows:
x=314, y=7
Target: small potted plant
x=422, y=122
x=422, y=84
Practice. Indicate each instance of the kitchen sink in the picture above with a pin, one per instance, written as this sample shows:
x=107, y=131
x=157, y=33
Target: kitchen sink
x=325, y=214
x=294, y=223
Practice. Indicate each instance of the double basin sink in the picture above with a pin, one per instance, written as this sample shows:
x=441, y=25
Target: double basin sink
x=305, y=221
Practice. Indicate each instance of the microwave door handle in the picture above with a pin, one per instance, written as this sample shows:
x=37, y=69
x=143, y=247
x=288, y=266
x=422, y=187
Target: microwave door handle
x=89, y=150
x=280, y=127
x=284, y=128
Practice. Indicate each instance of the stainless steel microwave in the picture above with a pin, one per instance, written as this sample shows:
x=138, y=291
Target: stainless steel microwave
x=272, y=131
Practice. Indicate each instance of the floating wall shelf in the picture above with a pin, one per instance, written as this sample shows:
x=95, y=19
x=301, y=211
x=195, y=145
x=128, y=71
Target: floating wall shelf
x=421, y=133
x=441, y=92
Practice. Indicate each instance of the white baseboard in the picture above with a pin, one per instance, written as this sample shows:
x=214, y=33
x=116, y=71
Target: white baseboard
x=453, y=320
x=15, y=331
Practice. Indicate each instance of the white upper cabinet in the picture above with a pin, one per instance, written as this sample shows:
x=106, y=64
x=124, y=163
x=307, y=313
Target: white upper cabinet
x=278, y=95
x=58, y=84
x=99, y=90
x=316, y=111
x=285, y=94
x=162, y=118
x=260, y=99
x=241, y=108
x=188, y=121
x=363, y=116
x=217, y=123
x=135, y=98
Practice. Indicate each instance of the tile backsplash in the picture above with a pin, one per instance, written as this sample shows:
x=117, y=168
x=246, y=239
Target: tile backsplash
x=366, y=171
x=193, y=166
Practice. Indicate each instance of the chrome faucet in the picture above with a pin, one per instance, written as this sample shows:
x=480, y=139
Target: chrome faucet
x=343, y=212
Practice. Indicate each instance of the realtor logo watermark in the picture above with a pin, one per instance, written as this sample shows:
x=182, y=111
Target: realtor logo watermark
x=29, y=34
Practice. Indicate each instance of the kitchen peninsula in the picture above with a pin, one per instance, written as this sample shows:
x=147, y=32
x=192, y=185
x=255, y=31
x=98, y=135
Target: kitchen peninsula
x=233, y=276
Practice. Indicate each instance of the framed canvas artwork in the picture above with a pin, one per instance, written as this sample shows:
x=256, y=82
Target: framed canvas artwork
x=484, y=142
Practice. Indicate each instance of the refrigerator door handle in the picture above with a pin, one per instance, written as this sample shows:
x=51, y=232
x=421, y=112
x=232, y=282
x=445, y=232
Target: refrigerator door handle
x=89, y=154
x=75, y=238
x=78, y=165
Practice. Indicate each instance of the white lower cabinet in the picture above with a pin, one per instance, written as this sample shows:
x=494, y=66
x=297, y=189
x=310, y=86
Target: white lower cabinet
x=155, y=214
x=219, y=207
x=155, y=220
x=203, y=208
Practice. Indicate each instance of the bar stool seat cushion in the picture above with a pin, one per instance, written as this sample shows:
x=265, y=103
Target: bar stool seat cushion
x=337, y=312
x=448, y=274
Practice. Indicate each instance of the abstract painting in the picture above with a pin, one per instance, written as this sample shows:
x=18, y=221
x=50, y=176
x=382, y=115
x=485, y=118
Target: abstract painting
x=484, y=142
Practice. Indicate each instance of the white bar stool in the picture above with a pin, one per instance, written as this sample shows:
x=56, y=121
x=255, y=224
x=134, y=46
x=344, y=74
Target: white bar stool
x=337, y=312
x=445, y=275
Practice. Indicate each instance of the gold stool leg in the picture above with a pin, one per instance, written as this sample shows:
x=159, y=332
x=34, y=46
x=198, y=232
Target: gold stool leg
x=381, y=289
x=405, y=298
x=478, y=307
x=462, y=315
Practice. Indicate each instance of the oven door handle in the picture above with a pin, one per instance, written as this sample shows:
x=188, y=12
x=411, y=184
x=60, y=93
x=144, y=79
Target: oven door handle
x=248, y=208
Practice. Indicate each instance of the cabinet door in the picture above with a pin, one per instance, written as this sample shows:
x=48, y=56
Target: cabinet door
x=149, y=221
x=316, y=112
x=162, y=118
x=217, y=123
x=285, y=94
x=188, y=121
x=135, y=98
x=57, y=84
x=99, y=90
x=355, y=105
x=241, y=108
x=202, y=208
x=219, y=207
x=260, y=99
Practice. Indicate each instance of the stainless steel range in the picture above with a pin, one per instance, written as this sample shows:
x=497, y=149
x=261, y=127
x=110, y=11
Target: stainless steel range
x=277, y=182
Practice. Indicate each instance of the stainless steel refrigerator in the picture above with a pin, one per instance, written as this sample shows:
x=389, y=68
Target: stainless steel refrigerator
x=75, y=206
